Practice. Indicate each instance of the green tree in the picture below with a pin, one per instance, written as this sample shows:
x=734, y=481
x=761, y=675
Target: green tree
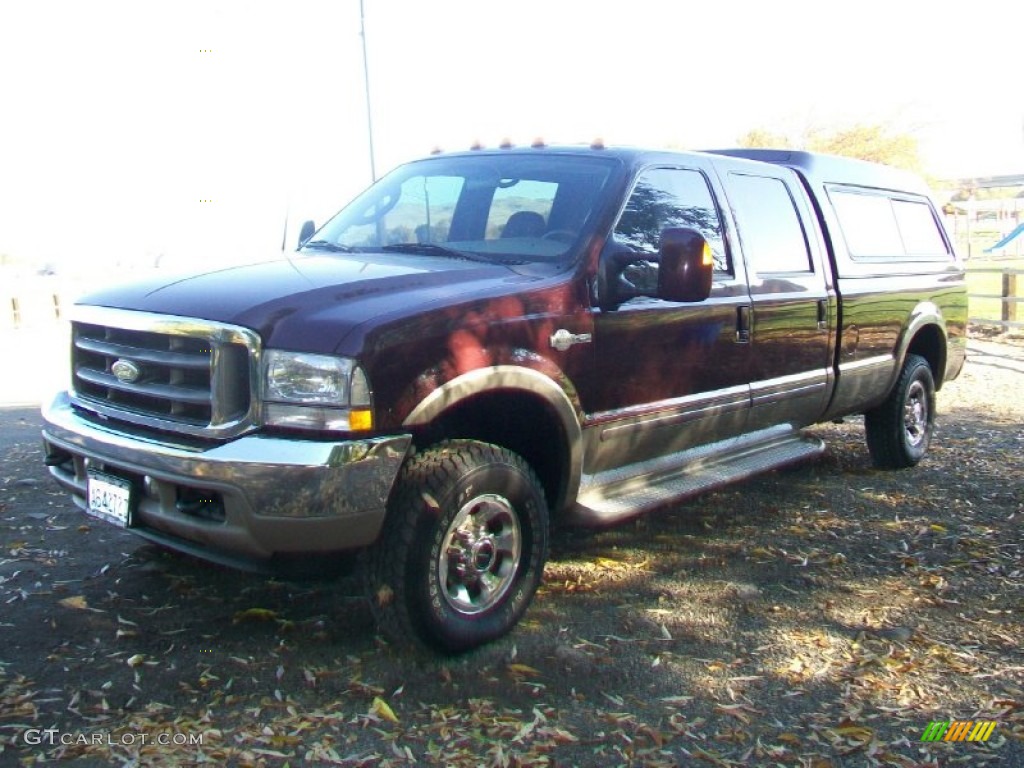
x=865, y=141
x=869, y=142
x=759, y=138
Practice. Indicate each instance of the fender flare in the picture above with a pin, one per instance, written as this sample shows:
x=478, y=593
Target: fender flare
x=925, y=314
x=510, y=377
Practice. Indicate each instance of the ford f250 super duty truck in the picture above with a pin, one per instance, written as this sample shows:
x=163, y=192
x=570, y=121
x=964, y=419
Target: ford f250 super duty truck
x=488, y=342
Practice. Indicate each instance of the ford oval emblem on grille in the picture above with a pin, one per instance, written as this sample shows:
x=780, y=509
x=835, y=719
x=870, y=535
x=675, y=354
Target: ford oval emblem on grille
x=125, y=371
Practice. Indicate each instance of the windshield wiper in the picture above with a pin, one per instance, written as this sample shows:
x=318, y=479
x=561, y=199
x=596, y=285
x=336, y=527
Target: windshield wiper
x=432, y=249
x=327, y=245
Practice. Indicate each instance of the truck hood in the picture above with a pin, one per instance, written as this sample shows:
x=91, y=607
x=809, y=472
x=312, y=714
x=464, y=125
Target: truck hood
x=311, y=303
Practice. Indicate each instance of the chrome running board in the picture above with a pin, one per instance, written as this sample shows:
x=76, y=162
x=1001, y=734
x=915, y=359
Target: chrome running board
x=619, y=494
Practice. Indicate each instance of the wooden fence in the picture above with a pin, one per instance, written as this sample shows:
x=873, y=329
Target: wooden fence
x=1009, y=297
x=38, y=305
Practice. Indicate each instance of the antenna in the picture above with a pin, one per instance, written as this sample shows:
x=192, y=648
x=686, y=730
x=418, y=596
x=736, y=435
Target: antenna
x=284, y=232
x=366, y=80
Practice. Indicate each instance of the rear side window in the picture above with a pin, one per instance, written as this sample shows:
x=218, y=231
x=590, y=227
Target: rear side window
x=877, y=226
x=770, y=230
x=918, y=229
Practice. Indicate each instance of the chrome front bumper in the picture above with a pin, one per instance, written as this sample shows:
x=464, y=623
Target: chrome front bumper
x=274, y=496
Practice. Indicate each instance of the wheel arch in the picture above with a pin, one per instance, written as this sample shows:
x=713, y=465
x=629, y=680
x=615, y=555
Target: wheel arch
x=518, y=408
x=925, y=335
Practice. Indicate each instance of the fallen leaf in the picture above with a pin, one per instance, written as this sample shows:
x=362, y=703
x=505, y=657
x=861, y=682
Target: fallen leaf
x=381, y=709
x=677, y=701
x=255, y=614
x=523, y=670
x=385, y=595
x=856, y=733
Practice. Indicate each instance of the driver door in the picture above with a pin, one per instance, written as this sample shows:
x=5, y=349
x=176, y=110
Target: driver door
x=669, y=375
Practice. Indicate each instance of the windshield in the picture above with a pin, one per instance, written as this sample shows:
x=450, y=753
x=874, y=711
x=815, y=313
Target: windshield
x=507, y=208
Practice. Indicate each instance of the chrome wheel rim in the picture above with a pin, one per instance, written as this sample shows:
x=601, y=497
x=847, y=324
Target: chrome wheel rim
x=480, y=554
x=915, y=414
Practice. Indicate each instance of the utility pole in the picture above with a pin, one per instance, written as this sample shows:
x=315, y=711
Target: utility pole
x=366, y=80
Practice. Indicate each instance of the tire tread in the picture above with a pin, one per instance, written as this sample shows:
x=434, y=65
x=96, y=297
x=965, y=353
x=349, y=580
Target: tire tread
x=426, y=473
x=883, y=425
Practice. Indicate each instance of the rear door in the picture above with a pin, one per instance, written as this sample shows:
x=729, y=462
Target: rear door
x=793, y=318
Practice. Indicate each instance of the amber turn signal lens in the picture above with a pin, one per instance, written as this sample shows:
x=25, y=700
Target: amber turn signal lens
x=360, y=421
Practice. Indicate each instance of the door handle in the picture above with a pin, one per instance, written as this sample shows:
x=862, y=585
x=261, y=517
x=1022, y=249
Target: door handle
x=822, y=315
x=563, y=339
x=743, y=325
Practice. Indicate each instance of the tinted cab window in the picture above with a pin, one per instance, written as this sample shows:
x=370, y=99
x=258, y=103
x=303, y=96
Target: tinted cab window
x=770, y=231
x=668, y=198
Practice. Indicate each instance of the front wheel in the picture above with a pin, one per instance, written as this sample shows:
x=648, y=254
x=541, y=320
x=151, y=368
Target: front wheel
x=899, y=431
x=463, y=548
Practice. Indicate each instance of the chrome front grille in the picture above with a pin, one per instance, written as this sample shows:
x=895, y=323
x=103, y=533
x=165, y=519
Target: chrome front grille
x=171, y=373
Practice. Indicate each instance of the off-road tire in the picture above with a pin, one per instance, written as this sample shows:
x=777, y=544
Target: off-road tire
x=424, y=573
x=900, y=430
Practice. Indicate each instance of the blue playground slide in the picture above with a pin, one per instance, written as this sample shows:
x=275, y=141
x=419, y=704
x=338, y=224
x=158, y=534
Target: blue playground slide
x=1008, y=239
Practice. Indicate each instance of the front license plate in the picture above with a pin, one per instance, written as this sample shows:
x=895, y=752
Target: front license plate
x=110, y=498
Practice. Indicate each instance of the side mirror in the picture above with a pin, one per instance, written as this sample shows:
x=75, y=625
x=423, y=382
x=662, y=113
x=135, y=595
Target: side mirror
x=610, y=289
x=308, y=228
x=686, y=266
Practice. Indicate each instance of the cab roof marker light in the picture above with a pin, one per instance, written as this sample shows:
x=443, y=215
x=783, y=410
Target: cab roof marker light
x=436, y=150
x=506, y=144
x=476, y=145
x=597, y=143
x=538, y=143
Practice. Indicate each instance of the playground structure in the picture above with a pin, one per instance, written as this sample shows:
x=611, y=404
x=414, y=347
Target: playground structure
x=1010, y=238
x=987, y=228
x=989, y=234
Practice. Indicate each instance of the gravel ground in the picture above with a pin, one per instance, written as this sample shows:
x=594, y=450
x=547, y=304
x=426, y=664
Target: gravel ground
x=819, y=616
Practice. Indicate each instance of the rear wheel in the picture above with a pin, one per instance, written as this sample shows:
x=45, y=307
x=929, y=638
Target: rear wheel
x=463, y=547
x=899, y=431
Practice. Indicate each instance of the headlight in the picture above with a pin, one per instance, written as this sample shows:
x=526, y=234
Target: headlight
x=315, y=392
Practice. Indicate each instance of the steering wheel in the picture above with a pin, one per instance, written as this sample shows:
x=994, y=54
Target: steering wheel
x=563, y=235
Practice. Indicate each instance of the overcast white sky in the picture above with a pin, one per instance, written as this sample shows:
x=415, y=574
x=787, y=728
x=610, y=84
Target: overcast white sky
x=116, y=122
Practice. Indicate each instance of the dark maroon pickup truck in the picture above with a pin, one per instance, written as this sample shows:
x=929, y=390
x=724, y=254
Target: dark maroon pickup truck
x=485, y=343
